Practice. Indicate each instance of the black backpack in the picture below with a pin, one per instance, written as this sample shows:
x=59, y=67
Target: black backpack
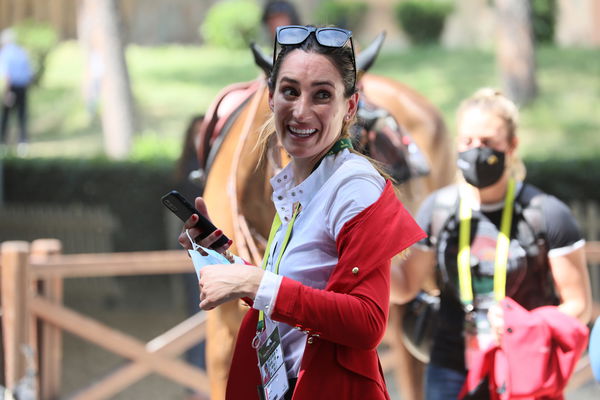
x=421, y=314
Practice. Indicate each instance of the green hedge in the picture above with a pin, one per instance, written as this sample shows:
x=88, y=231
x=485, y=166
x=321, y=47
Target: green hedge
x=569, y=180
x=132, y=190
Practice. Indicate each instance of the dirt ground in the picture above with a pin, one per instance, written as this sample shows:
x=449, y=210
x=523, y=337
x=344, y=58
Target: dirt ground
x=144, y=307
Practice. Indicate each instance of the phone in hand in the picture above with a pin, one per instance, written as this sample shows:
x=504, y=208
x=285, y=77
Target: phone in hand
x=181, y=207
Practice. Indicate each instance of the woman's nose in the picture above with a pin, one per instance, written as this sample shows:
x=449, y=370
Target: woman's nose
x=302, y=108
x=475, y=142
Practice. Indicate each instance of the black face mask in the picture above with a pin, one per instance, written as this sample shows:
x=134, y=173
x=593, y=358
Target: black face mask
x=481, y=166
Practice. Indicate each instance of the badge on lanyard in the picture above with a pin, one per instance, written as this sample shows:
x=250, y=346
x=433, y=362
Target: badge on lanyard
x=274, y=381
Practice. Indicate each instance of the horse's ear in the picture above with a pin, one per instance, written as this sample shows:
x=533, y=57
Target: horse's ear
x=260, y=59
x=366, y=58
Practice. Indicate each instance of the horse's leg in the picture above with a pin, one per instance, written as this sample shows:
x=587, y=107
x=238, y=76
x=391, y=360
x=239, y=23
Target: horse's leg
x=222, y=325
x=408, y=370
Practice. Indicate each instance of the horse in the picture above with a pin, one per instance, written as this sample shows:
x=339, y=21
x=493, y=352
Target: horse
x=238, y=193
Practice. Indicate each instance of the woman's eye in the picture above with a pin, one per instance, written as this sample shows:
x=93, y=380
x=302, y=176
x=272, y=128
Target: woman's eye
x=289, y=91
x=323, y=94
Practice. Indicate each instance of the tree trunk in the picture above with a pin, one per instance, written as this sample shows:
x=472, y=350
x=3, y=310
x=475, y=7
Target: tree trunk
x=99, y=32
x=515, y=51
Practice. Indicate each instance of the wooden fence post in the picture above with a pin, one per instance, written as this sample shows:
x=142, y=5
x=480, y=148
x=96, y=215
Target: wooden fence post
x=50, y=341
x=14, y=294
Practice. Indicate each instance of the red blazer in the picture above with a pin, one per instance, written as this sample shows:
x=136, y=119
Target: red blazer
x=344, y=322
x=539, y=351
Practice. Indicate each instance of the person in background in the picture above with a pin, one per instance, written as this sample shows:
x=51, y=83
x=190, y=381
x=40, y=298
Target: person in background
x=594, y=350
x=490, y=236
x=277, y=13
x=16, y=74
x=320, y=299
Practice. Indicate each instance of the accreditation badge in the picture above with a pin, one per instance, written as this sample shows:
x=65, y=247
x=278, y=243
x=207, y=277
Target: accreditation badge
x=271, y=364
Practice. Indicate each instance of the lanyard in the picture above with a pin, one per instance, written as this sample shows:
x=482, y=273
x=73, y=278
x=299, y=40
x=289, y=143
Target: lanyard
x=288, y=234
x=339, y=145
x=502, y=245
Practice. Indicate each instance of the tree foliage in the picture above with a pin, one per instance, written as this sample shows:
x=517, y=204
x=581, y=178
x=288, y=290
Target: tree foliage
x=231, y=24
x=39, y=39
x=423, y=20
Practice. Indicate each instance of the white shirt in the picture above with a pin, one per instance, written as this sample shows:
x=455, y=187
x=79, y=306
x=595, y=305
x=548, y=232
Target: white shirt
x=340, y=188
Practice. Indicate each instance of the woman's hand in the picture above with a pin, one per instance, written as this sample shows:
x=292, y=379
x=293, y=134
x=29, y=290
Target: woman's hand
x=183, y=239
x=496, y=317
x=222, y=283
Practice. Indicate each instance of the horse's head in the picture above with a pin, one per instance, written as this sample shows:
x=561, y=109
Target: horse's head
x=364, y=60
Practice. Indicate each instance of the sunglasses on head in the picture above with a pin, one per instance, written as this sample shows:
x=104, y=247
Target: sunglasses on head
x=289, y=35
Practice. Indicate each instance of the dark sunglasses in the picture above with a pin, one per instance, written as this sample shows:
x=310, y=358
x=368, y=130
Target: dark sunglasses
x=289, y=35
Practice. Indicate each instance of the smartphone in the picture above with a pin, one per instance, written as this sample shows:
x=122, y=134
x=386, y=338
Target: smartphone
x=181, y=207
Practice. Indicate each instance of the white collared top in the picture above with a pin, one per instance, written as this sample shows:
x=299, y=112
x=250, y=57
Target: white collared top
x=340, y=188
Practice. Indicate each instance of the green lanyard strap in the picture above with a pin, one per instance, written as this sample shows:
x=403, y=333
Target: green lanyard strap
x=502, y=246
x=339, y=145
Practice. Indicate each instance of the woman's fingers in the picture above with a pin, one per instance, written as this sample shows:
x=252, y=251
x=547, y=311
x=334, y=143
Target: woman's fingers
x=222, y=283
x=223, y=250
x=496, y=319
x=190, y=231
x=201, y=206
x=184, y=239
x=210, y=239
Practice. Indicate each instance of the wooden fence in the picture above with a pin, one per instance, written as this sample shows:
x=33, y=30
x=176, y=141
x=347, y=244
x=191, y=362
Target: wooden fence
x=31, y=283
x=31, y=292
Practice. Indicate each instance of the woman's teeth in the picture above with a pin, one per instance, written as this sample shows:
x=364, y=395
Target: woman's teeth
x=302, y=132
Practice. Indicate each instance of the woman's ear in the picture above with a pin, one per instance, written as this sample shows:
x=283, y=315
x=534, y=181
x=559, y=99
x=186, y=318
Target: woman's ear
x=271, y=100
x=514, y=143
x=352, y=106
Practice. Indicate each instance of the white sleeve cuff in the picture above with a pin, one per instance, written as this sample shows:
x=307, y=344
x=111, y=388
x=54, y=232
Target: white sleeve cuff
x=563, y=251
x=267, y=292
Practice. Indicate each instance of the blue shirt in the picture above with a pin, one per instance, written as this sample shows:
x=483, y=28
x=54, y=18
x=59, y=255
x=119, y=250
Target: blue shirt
x=15, y=66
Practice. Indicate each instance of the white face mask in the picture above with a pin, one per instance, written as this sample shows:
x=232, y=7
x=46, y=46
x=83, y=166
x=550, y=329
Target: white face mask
x=211, y=258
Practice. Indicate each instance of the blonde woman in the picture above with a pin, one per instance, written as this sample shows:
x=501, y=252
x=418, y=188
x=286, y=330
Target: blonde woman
x=540, y=261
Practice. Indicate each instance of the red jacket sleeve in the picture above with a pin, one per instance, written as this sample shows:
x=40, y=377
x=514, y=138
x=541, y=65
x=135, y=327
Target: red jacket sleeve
x=353, y=308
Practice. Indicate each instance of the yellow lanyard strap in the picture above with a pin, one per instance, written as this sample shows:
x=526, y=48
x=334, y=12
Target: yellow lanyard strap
x=502, y=246
x=288, y=234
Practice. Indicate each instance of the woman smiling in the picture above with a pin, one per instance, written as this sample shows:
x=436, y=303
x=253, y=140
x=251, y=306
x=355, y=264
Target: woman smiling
x=320, y=299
